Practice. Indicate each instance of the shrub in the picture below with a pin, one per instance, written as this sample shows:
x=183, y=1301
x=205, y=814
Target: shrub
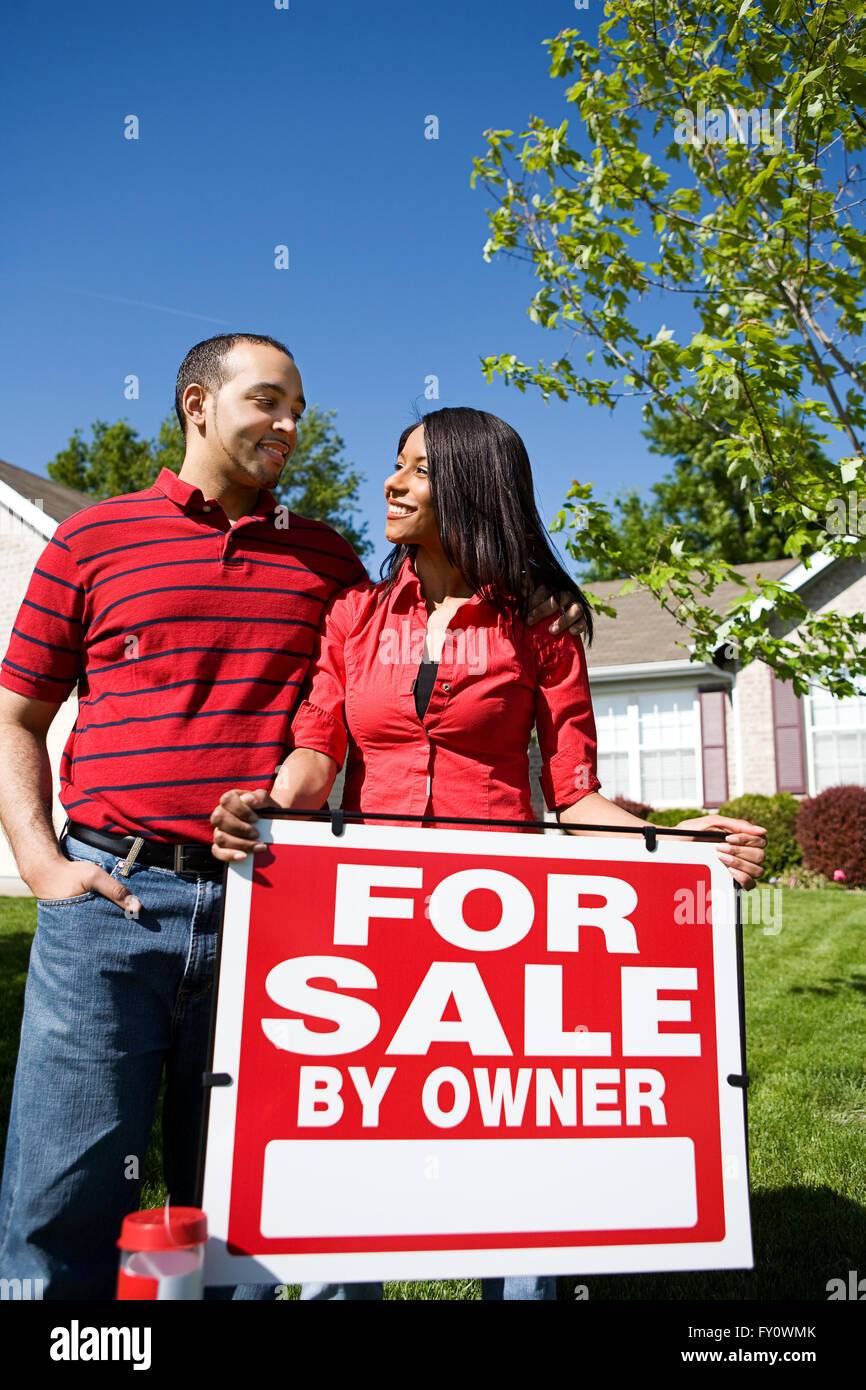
x=831, y=829
x=636, y=808
x=674, y=815
x=807, y=878
x=778, y=815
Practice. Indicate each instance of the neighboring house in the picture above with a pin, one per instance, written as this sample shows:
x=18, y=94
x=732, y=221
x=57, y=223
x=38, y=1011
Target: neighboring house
x=672, y=732
x=30, y=508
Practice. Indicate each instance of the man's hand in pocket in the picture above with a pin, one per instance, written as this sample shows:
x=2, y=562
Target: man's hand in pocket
x=65, y=878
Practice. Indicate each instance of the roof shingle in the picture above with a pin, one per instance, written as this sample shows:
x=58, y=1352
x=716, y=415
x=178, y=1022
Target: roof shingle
x=58, y=501
x=644, y=631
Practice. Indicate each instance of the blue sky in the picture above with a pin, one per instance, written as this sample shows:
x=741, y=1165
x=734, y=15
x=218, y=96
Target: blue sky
x=261, y=127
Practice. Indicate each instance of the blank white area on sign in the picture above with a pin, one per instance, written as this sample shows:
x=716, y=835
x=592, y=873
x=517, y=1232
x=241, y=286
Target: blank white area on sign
x=371, y=1187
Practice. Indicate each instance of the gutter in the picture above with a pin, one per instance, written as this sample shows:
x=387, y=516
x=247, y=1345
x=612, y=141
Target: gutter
x=31, y=516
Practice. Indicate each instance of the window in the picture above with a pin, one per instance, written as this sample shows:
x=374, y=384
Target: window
x=649, y=746
x=613, y=724
x=669, y=733
x=837, y=737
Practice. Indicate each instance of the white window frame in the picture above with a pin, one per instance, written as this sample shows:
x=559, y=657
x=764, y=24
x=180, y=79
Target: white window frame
x=632, y=746
x=809, y=737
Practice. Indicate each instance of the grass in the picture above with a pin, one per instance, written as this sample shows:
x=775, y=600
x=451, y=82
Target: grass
x=805, y=1007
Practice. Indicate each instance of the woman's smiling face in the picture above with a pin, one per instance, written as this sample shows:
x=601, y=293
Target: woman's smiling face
x=410, y=519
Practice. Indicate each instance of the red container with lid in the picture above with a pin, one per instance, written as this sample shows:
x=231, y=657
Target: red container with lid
x=162, y=1254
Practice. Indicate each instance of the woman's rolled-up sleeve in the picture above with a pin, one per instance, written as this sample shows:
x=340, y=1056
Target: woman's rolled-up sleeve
x=564, y=720
x=319, y=722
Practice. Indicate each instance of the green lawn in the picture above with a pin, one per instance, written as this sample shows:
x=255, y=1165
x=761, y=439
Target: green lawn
x=806, y=1022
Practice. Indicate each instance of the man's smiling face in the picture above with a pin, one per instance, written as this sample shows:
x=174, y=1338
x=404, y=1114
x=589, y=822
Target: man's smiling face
x=252, y=421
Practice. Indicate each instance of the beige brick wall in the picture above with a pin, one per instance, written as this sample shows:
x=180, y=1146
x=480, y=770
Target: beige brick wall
x=20, y=549
x=752, y=768
x=756, y=765
x=841, y=589
x=19, y=552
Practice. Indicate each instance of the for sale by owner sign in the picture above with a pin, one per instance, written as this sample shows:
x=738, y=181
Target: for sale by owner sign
x=468, y=1053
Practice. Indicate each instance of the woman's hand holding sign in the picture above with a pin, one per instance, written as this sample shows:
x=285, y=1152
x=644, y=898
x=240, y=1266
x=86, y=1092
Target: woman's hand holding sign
x=742, y=853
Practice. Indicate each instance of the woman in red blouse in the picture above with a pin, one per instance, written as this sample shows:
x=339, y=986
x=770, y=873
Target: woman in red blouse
x=431, y=681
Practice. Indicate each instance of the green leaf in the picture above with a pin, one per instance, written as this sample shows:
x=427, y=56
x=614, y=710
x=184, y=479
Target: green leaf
x=664, y=335
x=849, y=468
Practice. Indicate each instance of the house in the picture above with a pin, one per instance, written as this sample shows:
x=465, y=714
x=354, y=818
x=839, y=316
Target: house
x=673, y=732
x=30, y=508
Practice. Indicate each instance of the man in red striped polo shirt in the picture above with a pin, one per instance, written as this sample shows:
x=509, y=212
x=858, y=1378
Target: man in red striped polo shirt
x=185, y=615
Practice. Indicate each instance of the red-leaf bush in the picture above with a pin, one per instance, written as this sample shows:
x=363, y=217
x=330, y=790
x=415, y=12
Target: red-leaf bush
x=831, y=829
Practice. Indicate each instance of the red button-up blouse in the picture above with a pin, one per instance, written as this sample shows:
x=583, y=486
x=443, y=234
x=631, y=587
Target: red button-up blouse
x=468, y=755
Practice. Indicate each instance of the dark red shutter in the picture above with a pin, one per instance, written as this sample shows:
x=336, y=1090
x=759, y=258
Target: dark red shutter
x=714, y=745
x=788, y=738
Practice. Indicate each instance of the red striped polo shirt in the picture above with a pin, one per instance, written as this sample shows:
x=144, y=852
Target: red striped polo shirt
x=188, y=638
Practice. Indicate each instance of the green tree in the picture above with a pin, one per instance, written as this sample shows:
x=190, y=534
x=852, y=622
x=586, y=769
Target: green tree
x=317, y=481
x=713, y=513
x=115, y=461
x=168, y=448
x=712, y=162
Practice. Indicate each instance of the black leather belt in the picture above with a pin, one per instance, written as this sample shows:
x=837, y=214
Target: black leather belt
x=183, y=859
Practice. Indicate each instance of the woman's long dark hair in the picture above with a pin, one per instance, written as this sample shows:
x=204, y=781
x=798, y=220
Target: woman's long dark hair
x=484, y=504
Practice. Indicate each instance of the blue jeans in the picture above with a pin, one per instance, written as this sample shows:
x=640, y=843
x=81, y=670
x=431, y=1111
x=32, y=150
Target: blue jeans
x=110, y=1003
x=535, y=1287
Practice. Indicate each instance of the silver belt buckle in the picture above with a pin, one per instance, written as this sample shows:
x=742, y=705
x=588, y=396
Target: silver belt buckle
x=178, y=859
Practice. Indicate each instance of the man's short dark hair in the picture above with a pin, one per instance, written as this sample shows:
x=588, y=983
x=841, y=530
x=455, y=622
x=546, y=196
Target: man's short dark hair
x=205, y=364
